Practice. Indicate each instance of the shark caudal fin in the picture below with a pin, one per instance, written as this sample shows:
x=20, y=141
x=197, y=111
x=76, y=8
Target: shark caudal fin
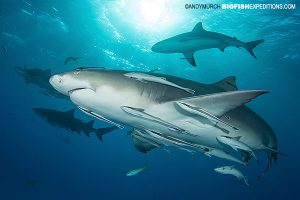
x=102, y=131
x=251, y=45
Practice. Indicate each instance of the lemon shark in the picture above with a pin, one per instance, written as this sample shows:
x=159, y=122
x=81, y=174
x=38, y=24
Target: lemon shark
x=200, y=39
x=152, y=109
x=68, y=121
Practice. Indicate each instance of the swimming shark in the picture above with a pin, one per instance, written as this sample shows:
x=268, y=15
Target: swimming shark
x=40, y=78
x=200, y=39
x=152, y=108
x=67, y=120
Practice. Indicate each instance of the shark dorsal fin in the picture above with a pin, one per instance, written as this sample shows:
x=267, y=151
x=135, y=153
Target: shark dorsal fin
x=198, y=28
x=90, y=123
x=227, y=84
x=71, y=112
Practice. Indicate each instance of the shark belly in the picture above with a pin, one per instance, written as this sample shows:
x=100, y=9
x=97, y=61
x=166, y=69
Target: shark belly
x=189, y=45
x=108, y=103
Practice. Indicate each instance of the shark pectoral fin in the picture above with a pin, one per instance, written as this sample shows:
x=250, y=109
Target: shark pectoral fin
x=189, y=56
x=220, y=103
x=223, y=45
x=142, y=144
x=222, y=48
x=198, y=28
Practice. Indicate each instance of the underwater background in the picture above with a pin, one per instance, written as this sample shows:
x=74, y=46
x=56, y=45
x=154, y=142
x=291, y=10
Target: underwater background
x=41, y=161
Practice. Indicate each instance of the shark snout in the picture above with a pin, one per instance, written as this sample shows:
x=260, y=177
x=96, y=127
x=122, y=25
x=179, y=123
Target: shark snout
x=57, y=82
x=157, y=47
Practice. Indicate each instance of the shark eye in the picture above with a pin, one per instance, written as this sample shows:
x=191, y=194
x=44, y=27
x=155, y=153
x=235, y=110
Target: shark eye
x=60, y=80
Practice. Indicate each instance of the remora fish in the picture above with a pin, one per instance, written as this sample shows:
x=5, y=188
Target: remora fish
x=68, y=121
x=232, y=171
x=236, y=144
x=203, y=113
x=221, y=154
x=140, y=113
x=106, y=92
x=136, y=171
x=200, y=39
x=162, y=80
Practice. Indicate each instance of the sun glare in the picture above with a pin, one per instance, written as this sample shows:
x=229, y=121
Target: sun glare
x=152, y=11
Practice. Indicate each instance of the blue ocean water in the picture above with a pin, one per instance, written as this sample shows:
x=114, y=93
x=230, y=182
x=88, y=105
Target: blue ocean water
x=41, y=161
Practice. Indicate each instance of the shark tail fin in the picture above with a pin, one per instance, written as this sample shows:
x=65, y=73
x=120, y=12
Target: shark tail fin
x=251, y=45
x=102, y=131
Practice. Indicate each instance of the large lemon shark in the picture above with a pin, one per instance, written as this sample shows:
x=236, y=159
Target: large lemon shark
x=164, y=113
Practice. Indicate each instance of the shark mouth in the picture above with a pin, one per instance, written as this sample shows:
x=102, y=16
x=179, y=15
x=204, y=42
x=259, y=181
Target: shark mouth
x=77, y=89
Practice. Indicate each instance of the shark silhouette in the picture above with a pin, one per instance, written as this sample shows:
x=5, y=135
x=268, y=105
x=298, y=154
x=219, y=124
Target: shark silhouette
x=67, y=120
x=200, y=39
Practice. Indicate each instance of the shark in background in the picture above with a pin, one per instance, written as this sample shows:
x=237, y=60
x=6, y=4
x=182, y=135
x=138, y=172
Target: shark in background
x=38, y=77
x=67, y=120
x=152, y=109
x=200, y=39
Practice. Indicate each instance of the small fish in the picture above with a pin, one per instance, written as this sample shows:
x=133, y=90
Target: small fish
x=29, y=4
x=69, y=59
x=27, y=12
x=235, y=144
x=150, y=78
x=31, y=182
x=136, y=171
x=232, y=171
